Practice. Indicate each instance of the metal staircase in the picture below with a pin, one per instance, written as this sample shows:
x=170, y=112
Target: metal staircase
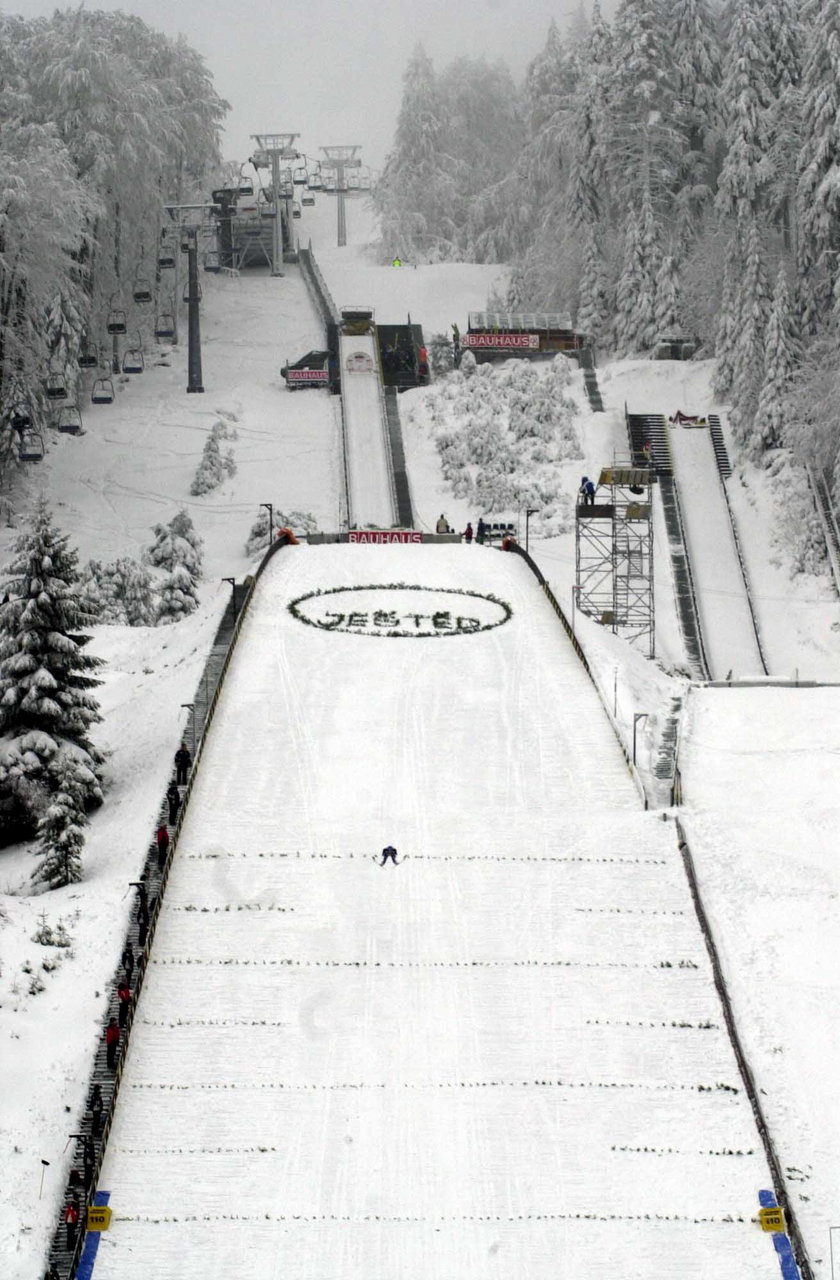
x=719, y=445
x=586, y=360
x=405, y=516
x=828, y=520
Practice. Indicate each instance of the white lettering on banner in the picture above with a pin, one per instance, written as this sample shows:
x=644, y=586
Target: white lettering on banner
x=501, y=340
x=384, y=535
x=307, y=375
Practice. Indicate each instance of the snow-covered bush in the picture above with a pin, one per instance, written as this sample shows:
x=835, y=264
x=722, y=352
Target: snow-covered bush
x=501, y=431
x=119, y=593
x=441, y=354
x=214, y=466
x=797, y=536
x=47, y=761
x=300, y=522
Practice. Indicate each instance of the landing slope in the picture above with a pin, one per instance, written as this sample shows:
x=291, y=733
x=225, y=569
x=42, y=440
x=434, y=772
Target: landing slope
x=506, y=1049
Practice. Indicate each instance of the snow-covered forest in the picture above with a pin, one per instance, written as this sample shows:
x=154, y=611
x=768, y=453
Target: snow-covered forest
x=102, y=120
x=674, y=170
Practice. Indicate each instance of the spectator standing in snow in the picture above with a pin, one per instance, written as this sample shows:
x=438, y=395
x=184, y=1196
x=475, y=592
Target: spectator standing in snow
x=587, y=491
x=124, y=997
x=442, y=525
x=183, y=760
x=112, y=1043
x=646, y=453
x=173, y=799
x=97, y=1106
x=467, y=535
x=71, y=1222
x=481, y=531
x=142, y=923
x=162, y=842
x=389, y=852
x=142, y=892
x=128, y=962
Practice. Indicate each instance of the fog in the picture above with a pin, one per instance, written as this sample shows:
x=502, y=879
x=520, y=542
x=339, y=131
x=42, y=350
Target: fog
x=330, y=70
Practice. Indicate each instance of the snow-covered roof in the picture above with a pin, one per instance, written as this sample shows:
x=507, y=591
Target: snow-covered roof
x=517, y=320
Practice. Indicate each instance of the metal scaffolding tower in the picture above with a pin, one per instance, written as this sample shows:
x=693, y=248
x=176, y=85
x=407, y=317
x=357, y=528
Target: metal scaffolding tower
x=341, y=159
x=276, y=147
x=614, y=554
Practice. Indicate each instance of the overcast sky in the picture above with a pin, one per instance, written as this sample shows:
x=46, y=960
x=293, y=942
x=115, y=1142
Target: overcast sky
x=329, y=69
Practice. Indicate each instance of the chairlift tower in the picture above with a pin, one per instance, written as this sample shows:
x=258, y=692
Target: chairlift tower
x=276, y=147
x=189, y=219
x=614, y=554
x=341, y=159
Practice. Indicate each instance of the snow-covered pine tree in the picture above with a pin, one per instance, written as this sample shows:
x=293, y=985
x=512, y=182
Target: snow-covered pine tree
x=667, y=310
x=729, y=320
x=696, y=53
x=46, y=681
x=630, y=283
x=650, y=255
x=781, y=355
x=61, y=828
x=819, y=159
x=785, y=39
x=178, y=596
x=137, y=596
x=753, y=307
x=213, y=467
x=643, y=147
x=746, y=172
x=177, y=543
x=593, y=305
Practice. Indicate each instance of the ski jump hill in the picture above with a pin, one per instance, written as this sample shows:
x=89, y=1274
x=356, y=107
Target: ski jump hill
x=504, y=1052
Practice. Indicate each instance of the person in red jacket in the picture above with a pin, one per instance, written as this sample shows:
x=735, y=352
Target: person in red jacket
x=112, y=1043
x=162, y=842
x=71, y=1221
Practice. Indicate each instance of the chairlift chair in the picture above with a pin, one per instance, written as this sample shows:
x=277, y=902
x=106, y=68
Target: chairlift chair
x=300, y=177
x=133, y=361
x=142, y=291
x=307, y=200
x=55, y=387
x=166, y=259
x=246, y=188
x=20, y=418
x=88, y=356
x=31, y=446
x=316, y=182
x=212, y=261
x=185, y=296
x=165, y=326
x=116, y=321
x=102, y=391
x=295, y=210
x=70, y=420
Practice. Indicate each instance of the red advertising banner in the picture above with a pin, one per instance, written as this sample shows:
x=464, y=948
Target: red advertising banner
x=501, y=341
x=385, y=535
x=307, y=375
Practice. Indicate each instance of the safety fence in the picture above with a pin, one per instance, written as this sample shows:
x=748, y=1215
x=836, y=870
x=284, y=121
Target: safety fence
x=64, y=1260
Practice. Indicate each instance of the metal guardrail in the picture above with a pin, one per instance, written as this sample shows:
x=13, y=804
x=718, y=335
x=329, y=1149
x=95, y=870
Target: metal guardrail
x=59, y=1255
x=317, y=286
x=828, y=521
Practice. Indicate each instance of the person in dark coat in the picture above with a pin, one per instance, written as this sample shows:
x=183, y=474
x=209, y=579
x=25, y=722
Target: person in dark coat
x=173, y=799
x=127, y=962
x=71, y=1222
x=389, y=852
x=467, y=535
x=162, y=842
x=142, y=923
x=481, y=531
x=142, y=890
x=587, y=491
x=183, y=760
x=124, y=997
x=96, y=1108
x=112, y=1043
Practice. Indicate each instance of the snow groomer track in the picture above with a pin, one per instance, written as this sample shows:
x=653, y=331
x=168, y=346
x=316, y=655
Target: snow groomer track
x=504, y=1057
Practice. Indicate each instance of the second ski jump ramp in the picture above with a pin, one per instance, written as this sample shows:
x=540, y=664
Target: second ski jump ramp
x=505, y=1051
x=368, y=456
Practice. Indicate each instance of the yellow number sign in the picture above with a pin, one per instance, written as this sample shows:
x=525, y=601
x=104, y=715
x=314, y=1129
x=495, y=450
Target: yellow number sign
x=98, y=1218
x=772, y=1219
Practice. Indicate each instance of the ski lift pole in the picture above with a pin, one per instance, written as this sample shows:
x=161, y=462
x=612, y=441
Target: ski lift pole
x=194, y=382
x=277, y=246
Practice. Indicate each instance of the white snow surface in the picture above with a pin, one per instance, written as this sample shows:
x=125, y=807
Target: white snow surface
x=725, y=620
x=365, y=430
x=506, y=1049
x=760, y=815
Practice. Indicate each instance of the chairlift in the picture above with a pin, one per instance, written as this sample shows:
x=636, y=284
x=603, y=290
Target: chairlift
x=212, y=261
x=116, y=320
x=133, y=361
x=300, y=176
x=165, y=326
x=166, y=259
x=307, y=200
x=246, y=188
x=20, y=418
x=88, y=356
x=102, y=391
x=70, y=420
x=253, y=232
x=295, y=210
x=55, y=387
x=31, y=446
x=142, y=291
x=354, y=182
x=316, y=182
x=185, y=296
